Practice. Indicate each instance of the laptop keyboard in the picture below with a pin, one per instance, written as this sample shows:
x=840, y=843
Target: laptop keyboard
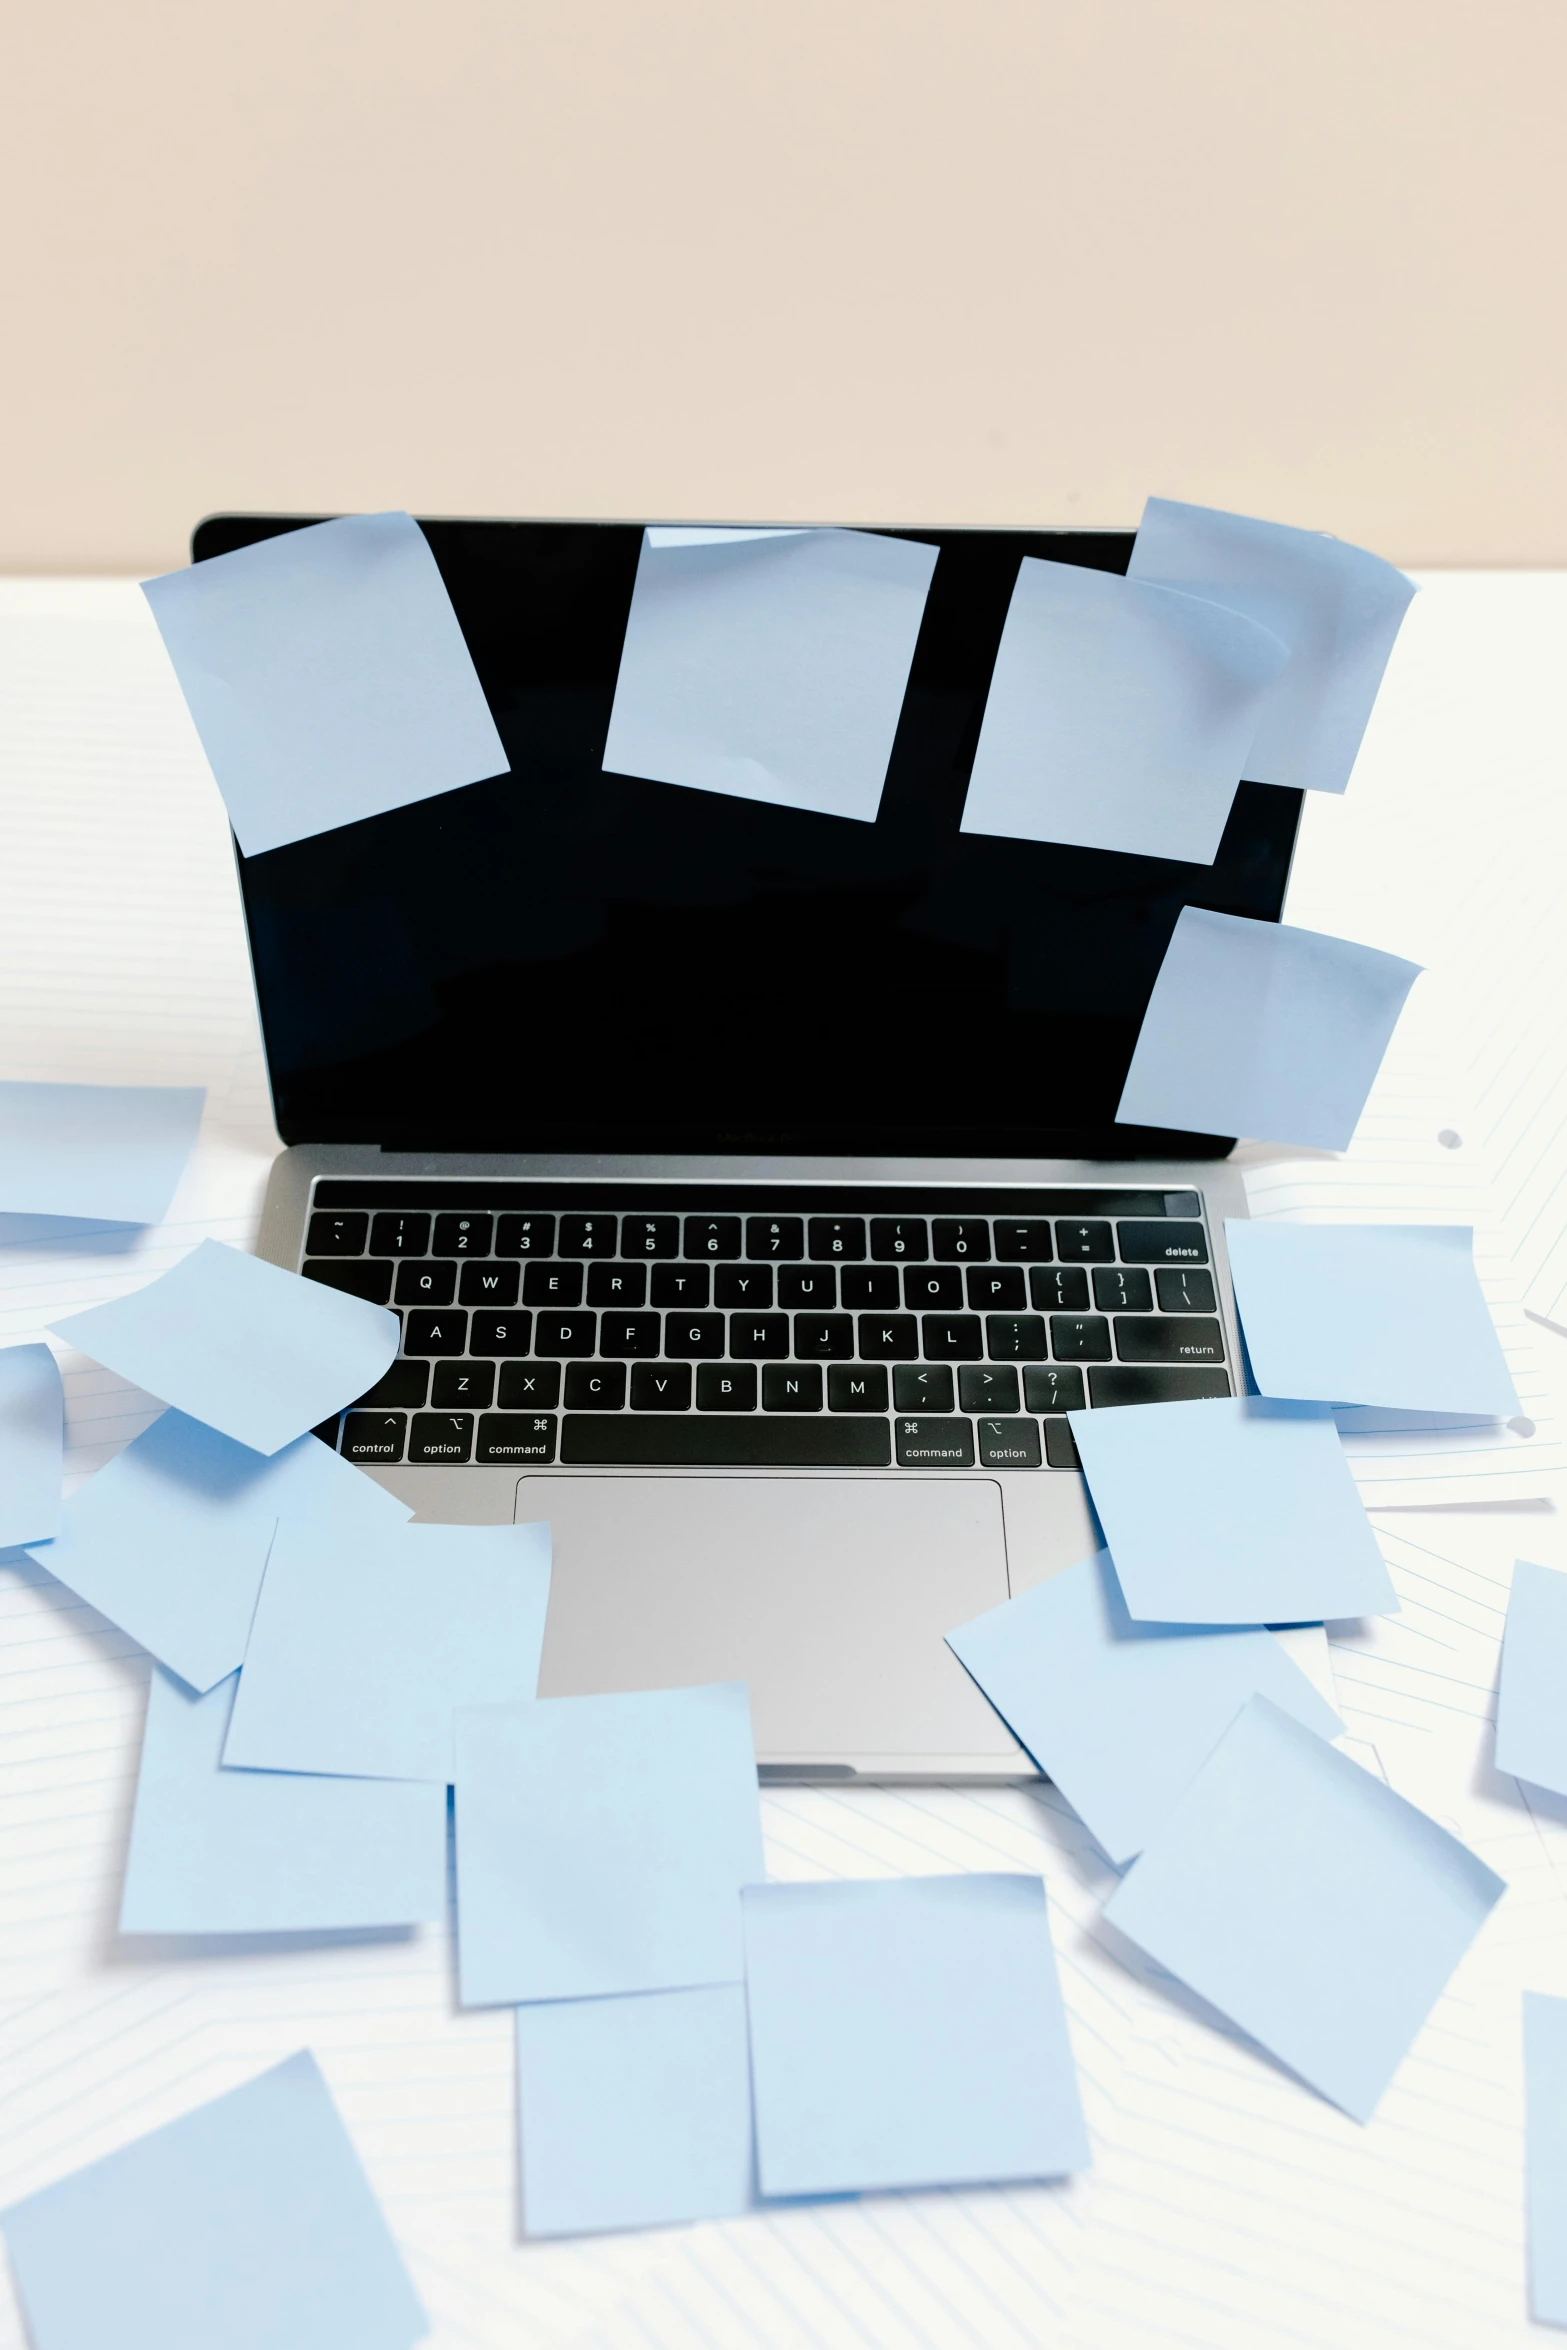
x=650, y=1327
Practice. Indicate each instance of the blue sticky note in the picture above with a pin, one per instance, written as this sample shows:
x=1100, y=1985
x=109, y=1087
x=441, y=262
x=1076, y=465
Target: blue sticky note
x=1119, y=715
x=170, y=1540
x=257, y=1353
x=634, y=2112
x=1260, y=1030
x=1234, y=1510
x=1336, y=607
x=1120, y=1714
x=1308, y=1903
x=365, y=1641
x=248, y=2222
x=769, y=665
x=907, y=2033
x=32, y=1445
x=216, y=1851
x=111, y=1153
x=1545, y=2149
x=327, y=676
x=1531, y=1720
x=602, y=1843
x=1419, y=1336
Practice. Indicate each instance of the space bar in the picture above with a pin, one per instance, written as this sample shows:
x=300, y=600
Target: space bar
x=614, y=1440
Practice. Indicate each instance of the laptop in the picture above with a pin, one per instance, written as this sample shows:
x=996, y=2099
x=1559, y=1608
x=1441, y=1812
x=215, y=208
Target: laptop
x=747, y=1180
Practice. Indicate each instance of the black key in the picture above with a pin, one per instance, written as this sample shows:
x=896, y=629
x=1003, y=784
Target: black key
x=950, y=1338
x=461, y=1236
x=791, y=1387
x=857, y=1387
x=922, y=1387
x=595, y=1387
x=404, y=1387
x=552, y=1285
x=933, y=1286
x=775, y=1237
x=680, y=1285
x=870, y=1285
x=366, y=1279
x=327, y=1432
x=337, y=1236
x=529, y=1387
x=443, y=1331
x=1164, y=1242
x=1031, y=1239
x=1135, y=1383
x=836, y=1239
x=463, y=1387
x=961, y=1237
x=587, y=1236
x=743, y=1285
x=374, y=1436
x=1015, y=1338
x=999, y=1287
x=525, y=1236
x=753, y=1337
x=623, y=1335
x=1182, y=1292
x=726, y=1387
x=516, y=1436
x=712, y=1236
x=1048, y=1389
x=1061, y=1289
x=889, y=1338
x=1061, y=1445
x=1117, y=1291
x=564, y=1334
x=1009, y=1444
x=620, y=1440
x=617, y=1285
x=899, y=1240
x=1084, y=1244
x=499, y=1334
x=934, y=1444
x=440, y=1436
x=650, y=1236
x=426, y=1283
x=1168, y=1338
x=987, y=1387
x=686, y=1336
x=812, y=1286
x=489, y=1284
x=392, y=1235
x=660, y=1387
x=1080, y=1338
x=818, y=1336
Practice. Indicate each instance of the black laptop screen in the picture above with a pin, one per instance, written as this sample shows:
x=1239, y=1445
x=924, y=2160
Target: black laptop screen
x=562, y=959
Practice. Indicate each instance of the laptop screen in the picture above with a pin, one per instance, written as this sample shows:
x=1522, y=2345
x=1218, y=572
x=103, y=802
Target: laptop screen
x=565, y=959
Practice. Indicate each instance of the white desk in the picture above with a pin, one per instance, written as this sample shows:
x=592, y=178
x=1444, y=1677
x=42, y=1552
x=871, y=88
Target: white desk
x=1227, y=2208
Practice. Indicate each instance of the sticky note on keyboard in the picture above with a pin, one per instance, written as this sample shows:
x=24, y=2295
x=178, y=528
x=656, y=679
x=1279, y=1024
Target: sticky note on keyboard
x=1308, y=1903
x=1545, y=2150
x=770, y=665
x=1531, y=1721
x=32, y=1445
x=1390, y=1315
x=1337, y=608
x=602, y=1843
x=257, y=1353
x=109, y=1153
x=1120, y=1714
x=248, y=2221
x=1234, y=1510
x=327, y=675
x=1119, y=715
x=366, y=1640
x=1260, y=1030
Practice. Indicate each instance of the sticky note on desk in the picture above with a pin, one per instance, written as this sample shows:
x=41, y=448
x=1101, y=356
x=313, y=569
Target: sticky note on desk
x=257, y=1353
x=109, y=1153
x=32, y=1445
x=1545, y=2149
x=1119, y=715
x=769, y=665
x=248, y=2222
x=1382, y=1314
x=1308, y=1903
x=1531, y=1722
x=1120, y=1714
x=907, y=2033
x=1257, y=1029
x=327, y=676
x=602, y=1843
x=365, y=1643
x=1337, y=609
x=1234, y=1510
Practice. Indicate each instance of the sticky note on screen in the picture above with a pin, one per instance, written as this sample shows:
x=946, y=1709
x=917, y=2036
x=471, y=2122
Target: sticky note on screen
x=1119, y=715
x=32, y=1445
x=327, y=675
x=111, y=1154
x=769, y=665
x=1531, y=1720
x=1257, y=1029
x=1545, y=2153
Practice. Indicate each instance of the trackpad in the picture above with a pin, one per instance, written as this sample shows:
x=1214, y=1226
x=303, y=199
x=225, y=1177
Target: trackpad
x=829, y=1596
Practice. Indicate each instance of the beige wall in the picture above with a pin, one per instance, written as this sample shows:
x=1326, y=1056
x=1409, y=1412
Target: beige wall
x=898, y=259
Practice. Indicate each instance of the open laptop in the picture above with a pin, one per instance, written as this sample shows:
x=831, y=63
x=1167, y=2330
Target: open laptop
x=747, y=1180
